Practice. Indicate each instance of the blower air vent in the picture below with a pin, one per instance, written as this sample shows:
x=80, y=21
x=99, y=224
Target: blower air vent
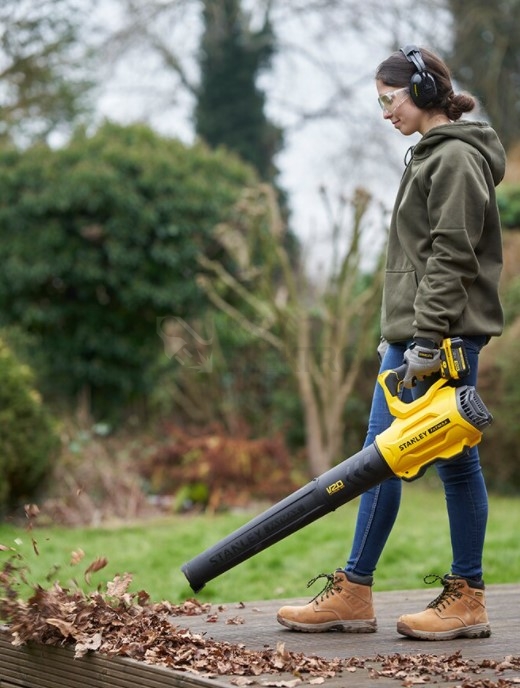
x=472, y=406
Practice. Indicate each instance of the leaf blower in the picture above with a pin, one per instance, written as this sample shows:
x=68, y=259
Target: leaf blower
x=435, y=427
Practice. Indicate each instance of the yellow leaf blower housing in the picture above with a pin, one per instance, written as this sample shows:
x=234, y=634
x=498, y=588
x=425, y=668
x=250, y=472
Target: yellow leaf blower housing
x=438, y=426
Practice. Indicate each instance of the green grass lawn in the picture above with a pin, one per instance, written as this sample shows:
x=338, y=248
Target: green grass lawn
x=153, y=552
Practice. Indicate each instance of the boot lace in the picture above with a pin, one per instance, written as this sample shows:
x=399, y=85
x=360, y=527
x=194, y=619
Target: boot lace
x=329, y=587
x=450, y=592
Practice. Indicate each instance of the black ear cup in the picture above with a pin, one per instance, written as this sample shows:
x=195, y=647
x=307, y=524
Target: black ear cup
x=423, y=89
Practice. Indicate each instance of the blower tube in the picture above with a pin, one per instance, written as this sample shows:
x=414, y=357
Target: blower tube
x=438, y=426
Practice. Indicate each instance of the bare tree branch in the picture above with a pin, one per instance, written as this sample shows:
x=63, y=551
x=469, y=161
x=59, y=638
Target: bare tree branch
x=325, y=341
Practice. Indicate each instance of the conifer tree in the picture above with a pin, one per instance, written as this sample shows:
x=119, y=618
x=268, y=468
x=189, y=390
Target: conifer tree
x=230, y=108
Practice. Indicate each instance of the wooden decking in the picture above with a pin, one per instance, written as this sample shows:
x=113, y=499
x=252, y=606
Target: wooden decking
x=254, y=626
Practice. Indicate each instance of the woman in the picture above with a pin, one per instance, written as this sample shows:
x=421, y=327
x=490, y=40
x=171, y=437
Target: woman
x=443, y=265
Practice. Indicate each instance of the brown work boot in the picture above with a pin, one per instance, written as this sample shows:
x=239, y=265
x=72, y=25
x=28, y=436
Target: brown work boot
x=341, y=606
x=458, y=612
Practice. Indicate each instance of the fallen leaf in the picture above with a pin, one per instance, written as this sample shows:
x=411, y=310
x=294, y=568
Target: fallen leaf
x=31, y=510
x=96, y=565
x=119, y=586
x=76, y=557
x=66, y=628
x=89, y=645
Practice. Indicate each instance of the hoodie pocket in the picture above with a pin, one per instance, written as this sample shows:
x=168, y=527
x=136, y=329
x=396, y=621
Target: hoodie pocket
x=399, y=297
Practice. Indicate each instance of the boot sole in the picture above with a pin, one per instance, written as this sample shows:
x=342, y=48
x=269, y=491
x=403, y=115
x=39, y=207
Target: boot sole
x=359, y=626
x=476, y=631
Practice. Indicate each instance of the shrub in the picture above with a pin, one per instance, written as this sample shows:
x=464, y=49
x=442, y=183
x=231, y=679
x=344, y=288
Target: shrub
x=28, y=441
x=213, y=470
x=99, y=241
x=508, y=197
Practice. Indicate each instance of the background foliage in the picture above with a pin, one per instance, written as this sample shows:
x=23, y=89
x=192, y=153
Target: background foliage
x=44, y=67
x=98, y=240
x=485, y=58
x=28, y=439
x=102, y=231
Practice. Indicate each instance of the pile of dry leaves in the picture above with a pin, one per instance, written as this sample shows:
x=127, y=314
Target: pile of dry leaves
x=116, y=622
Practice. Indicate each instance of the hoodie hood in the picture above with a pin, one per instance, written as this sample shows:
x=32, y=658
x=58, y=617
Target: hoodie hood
x=480, y=135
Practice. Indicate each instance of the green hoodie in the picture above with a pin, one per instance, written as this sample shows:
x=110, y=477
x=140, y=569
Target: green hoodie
x=444, y=255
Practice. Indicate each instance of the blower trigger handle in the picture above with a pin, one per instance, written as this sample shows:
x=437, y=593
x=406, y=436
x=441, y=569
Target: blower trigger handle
x=393, y=379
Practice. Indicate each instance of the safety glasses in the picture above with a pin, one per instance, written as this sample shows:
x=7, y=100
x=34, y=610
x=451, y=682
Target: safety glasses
x=387, y=101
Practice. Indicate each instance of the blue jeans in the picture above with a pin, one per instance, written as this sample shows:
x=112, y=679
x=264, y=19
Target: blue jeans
x=464, y=486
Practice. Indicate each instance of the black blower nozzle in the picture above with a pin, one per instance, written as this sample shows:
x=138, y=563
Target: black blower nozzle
x=322, y=495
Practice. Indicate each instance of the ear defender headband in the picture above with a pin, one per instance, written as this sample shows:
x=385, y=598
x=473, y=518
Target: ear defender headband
x=423, y=89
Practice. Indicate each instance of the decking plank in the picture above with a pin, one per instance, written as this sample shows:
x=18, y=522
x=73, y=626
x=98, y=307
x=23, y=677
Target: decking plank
x=40, y=666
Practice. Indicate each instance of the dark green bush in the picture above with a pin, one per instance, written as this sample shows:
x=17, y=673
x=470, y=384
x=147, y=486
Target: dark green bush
x=99, y=241
x=28, y=441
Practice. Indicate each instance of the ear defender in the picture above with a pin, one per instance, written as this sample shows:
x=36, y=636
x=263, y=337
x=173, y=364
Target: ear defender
x=423, y=89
